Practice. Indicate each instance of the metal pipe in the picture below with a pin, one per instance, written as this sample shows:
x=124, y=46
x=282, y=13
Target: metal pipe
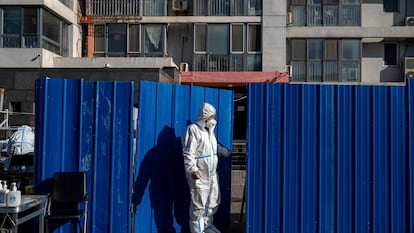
x=1, y=98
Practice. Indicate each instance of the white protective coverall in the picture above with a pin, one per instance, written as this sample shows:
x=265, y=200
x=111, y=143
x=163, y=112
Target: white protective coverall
x=22, y=141
x=200, y=154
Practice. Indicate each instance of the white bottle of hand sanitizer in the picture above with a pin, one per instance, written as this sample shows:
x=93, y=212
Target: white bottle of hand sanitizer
x=13, y=196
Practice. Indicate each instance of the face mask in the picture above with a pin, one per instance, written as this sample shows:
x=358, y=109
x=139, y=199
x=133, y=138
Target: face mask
x=211, y=124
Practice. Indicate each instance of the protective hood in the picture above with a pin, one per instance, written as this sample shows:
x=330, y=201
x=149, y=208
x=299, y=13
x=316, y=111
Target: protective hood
x=206, y=110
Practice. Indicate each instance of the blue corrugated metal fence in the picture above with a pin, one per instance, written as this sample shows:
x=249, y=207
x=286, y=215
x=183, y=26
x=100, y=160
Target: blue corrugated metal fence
x=87, y=126
x=161, y=193
x=330, y=158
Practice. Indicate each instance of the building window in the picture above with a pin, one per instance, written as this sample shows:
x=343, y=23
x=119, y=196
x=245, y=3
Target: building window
x=227, y=7
x=117, y=40
x=215, y=33
x=133, y=39
x=351, y=60
x=154, y=40
x=391, y=5
x=125, y=40
x=154, y=7
x=52, y=31
x=237, y=38
x=28, y=27
x=390, y=54
x=200, y=35
x=254, y=36
x=233, y=53
x=12, y=22
x=326, y=12
x=99, y=40
x=329, y=60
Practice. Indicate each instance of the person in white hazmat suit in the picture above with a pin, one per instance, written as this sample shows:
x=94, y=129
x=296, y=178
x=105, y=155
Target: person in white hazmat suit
x=200, y=163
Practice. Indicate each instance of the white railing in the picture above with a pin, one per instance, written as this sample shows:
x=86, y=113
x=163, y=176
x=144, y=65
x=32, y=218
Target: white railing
x=113, y=7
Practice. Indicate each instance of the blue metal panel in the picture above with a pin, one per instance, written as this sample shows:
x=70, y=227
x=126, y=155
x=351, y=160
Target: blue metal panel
x=121, y=169
x=273, y=164
x=159, y=159
x=86, y=132
x=291, y=159
x=160, y=185
x=224, y=118
x=309, y=152
x=410, y=95
x=327, y=160
x=101, y=157
x=255, y=159
x=398, y=161
x=197, y=97
x=146, y=139
x=381, y=159
x=345, y=152
x=363, y=141
x=180, y=121
x=87, y=127
x=70, y=116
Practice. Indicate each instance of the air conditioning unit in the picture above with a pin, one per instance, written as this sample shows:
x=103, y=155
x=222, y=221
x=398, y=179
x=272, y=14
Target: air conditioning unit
x=179, y=5
x=289, y=18
x=409, y=67
x=289, y=70
x=409, y=21
x=183, y=67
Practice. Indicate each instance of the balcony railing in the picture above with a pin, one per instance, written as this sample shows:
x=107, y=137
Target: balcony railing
x=17, y=41
x=113, y=7
x=158, y=7
x=223, y=63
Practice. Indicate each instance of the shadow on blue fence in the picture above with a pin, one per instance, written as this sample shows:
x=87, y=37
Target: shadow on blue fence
x=162, y=172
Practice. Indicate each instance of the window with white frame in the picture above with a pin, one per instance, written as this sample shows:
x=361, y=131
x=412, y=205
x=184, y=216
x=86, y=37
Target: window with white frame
x=325, y=60
x=227, y=7
x=326, y=12
x=233, y=53
x=154, y=39
x=129, y=40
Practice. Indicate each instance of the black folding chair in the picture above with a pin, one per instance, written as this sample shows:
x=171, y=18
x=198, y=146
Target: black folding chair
x=68, y=193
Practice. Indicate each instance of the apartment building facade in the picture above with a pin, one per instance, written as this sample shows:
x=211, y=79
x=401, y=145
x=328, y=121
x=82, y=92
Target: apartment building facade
x=353, y=41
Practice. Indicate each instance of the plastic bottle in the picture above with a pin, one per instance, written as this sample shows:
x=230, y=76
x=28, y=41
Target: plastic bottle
x=13, y=196
x=5, y=187
x=3, y=195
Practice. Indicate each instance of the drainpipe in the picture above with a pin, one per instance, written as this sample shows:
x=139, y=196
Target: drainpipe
x=1, y=98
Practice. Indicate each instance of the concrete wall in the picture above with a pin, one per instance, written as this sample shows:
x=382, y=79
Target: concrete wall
x=274, y=35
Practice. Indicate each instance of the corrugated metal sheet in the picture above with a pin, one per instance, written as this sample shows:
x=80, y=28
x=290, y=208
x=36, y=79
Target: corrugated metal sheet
x=161, y=192
x=330, y=158
x=87, y=126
